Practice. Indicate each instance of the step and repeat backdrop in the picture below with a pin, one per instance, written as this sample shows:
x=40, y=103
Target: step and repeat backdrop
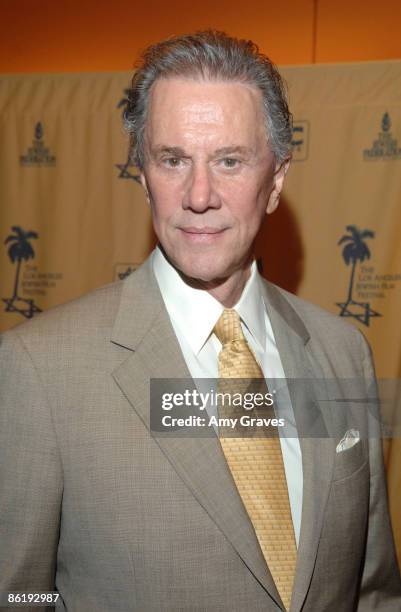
x=73, y=215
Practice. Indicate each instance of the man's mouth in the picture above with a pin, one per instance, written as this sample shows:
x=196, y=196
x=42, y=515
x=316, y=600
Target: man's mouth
x=202, y=230
x=204, y=235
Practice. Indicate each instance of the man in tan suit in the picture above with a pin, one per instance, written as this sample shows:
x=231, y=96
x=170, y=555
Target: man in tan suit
x=114, y=519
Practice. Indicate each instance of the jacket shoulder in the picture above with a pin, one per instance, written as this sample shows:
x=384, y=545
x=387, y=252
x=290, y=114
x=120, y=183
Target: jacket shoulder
x=91, y=313
x=320, y=324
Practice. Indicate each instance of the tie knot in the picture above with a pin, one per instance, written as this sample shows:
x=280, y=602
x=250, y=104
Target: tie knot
x=228, y=327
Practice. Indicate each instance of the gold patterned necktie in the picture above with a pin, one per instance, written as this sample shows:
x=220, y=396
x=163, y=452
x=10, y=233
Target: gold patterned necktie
x=257, y=466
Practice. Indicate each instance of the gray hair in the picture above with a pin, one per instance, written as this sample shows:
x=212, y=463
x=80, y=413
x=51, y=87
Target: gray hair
x=214, y=56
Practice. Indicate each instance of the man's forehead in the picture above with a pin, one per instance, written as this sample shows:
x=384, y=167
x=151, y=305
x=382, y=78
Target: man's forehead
x=206, y=91
x=214, y=114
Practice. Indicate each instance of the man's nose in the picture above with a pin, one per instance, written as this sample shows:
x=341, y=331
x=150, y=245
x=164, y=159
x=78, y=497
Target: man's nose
x=200, y=194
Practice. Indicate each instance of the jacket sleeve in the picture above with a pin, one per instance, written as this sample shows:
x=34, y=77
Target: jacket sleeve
x=31, y=481
x=380, y=583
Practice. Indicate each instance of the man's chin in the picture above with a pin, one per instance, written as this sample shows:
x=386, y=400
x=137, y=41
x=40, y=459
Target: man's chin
x=202, y=269
x=205, y=277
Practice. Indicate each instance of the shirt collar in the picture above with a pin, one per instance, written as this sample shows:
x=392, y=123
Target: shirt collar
x=195, y=312
x=251, y=309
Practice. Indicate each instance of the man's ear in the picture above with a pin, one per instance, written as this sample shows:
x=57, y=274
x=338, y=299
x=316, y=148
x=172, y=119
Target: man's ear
x=278, y=178
x=144, y=185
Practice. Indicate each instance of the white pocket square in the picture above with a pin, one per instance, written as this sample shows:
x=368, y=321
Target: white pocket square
x=351, y=437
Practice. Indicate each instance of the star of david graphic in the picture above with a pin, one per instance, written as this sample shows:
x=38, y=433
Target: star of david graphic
x=125, y=173
x=362, y=311
x=25, y=307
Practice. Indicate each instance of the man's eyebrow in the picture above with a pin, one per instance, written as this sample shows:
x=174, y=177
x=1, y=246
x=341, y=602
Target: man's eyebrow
x=175, y=151
x=179, y=152
x=233, y=149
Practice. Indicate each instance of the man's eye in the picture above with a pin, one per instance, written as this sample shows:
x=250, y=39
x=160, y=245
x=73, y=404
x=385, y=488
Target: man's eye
x=172, y=162
x=230, y=162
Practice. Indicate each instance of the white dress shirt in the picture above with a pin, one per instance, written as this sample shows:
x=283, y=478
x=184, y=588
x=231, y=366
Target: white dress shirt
x=194, y=313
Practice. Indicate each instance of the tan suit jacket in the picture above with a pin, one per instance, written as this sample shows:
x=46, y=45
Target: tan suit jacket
x=117, y=520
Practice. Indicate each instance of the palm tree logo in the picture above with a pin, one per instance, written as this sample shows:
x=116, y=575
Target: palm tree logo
x=124, y=168
x=356, y=250
x=20, y=250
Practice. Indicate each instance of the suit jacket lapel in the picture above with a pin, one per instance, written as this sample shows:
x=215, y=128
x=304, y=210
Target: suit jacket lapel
x=296, y=354
x=143, y=326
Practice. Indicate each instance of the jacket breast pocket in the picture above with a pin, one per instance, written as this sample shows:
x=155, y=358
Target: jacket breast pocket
x=350, y=461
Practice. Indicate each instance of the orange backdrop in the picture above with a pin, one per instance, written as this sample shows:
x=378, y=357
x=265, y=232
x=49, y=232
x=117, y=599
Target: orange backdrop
x=91, y=35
